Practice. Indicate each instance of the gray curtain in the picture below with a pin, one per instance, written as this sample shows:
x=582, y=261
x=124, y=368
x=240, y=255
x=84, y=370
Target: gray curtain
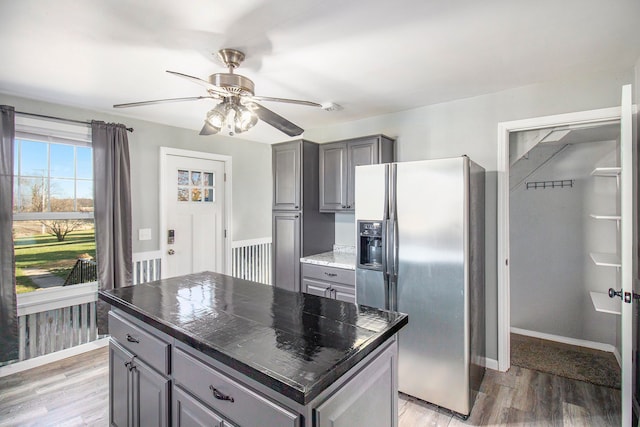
x=112, y=205
x=8, y=308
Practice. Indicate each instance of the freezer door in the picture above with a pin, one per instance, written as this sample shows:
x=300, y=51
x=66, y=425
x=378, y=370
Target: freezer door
x=371, y=194
x=431, y=286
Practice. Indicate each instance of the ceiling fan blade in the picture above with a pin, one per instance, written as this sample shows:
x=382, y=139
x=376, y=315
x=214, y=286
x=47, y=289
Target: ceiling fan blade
x=162, y=101
x=276, y=120
x=201, y=82
x=207, y=129
x=289, y=101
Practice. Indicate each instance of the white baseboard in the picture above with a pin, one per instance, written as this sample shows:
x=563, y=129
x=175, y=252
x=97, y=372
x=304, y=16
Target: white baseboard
x=491, y=364
x=14, y=368
x=571, y=341
x=616, y=353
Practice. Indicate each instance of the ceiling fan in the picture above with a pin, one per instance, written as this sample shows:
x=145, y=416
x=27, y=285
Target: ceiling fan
x=238, y=110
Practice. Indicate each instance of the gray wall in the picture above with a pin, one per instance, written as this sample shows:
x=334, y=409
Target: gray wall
x=251, y=169
x=469, y=126
x=552, y=235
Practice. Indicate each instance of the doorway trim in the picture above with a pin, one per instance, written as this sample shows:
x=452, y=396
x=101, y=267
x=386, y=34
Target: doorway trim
x=228, y=223
x=504, y=129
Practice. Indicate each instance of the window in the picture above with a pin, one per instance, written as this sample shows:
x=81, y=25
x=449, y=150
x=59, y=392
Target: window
x=52, y=177
x=53, y=226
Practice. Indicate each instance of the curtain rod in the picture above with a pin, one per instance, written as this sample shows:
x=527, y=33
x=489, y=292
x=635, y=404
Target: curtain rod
x=42, y=116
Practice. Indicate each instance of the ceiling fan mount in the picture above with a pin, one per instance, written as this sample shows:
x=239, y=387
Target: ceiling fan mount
x=237, y=109
x=230, y=57
x=235, y=84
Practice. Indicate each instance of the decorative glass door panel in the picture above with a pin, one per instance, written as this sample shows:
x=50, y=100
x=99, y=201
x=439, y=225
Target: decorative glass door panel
x=196, y=186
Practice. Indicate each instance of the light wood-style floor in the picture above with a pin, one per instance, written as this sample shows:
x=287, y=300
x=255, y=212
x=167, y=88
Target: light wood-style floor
x=75, y=392
x=71, y=392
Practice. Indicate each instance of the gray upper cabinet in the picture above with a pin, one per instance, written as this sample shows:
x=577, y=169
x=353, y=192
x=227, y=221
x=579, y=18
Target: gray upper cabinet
x=286, y=176
x=338, y=161
x=333, y=176
x=299, y=228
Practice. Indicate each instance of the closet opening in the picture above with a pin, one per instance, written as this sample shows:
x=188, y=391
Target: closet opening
x=564, y=237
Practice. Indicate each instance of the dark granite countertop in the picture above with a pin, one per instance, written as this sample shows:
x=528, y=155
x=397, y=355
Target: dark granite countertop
x=294, y=343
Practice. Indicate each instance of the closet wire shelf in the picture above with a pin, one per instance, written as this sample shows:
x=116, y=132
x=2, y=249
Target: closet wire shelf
x=561, y=183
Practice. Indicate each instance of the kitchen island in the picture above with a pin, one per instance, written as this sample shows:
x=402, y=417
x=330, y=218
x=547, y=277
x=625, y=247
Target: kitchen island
x=209, y=349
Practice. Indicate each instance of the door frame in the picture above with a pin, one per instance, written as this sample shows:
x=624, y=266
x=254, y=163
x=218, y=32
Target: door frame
x=227, y=225
x=503, y=167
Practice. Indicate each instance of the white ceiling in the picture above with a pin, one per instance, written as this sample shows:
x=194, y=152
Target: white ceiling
x=370, y=56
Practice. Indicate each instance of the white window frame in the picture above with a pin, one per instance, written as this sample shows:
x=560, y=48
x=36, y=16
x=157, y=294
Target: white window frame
x=50, y=131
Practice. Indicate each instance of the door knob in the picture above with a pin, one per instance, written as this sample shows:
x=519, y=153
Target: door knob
x=171, y=252
x=613, y=293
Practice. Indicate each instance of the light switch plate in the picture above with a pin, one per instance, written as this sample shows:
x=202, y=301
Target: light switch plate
x=144, y=234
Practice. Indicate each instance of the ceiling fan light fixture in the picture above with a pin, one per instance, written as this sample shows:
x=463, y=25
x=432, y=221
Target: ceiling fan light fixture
x=244, y=119
x=217, y=116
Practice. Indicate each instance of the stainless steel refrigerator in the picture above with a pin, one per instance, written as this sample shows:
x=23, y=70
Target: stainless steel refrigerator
x=420, y=251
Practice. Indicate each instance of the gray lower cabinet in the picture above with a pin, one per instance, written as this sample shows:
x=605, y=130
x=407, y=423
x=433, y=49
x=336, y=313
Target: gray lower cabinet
x=120, y=387
x=368, y=400
x=189, y=412
x=329, y=282
x=286, y=250
x=139, y=395
x=227, y=397
x=338, y=161
x=344, y=292
x=316, y=287
x=138, y=375
x=202, y=392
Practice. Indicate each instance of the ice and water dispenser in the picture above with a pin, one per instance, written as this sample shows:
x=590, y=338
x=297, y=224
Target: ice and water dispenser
x=370, y=244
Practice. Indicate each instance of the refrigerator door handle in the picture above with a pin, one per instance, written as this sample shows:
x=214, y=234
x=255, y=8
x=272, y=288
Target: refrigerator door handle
x=388, y=248
x=392, y=225
x=394, y=268
x=385, y=255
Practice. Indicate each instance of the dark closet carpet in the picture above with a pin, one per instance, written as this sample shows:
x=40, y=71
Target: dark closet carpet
x=578, y=363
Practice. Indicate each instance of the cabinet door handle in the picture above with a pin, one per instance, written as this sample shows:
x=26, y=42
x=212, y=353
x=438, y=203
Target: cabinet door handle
x=220, y=396
x=331, y=274
x=132, y=339
x=296, y=207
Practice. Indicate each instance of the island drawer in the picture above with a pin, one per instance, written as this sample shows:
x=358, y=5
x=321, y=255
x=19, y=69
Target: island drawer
x=152, y=350
x=332, y=274
x=226, y=396
x=188, y=412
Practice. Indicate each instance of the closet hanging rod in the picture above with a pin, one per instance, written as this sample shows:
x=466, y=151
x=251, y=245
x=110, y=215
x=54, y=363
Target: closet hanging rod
x=42, y=116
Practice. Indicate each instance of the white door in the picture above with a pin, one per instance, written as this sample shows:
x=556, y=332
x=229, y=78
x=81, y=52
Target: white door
x=626, y=252
x=193, y=207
